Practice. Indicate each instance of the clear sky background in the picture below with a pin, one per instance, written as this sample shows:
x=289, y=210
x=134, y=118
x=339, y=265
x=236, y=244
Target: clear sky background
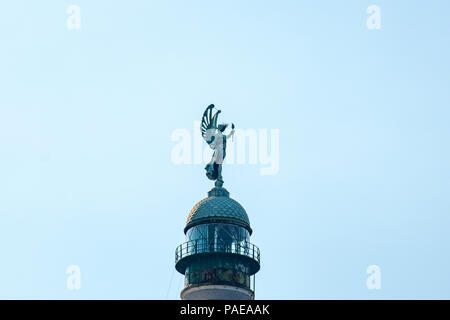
x=86, y=117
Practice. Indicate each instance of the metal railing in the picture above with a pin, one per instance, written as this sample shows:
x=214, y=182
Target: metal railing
x=203, y=246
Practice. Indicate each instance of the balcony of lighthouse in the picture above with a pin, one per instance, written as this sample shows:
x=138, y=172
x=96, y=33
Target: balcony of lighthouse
x=217, y=253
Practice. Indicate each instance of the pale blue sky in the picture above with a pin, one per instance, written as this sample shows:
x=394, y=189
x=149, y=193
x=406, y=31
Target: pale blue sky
x=86, y=118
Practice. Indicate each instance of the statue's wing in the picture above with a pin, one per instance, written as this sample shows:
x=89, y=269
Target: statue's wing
x=208, y=126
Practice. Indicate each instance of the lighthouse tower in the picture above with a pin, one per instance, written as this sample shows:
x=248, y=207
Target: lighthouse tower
x=217, y=259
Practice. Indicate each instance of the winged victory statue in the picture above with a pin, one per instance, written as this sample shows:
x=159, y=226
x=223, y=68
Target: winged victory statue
x=214, y=135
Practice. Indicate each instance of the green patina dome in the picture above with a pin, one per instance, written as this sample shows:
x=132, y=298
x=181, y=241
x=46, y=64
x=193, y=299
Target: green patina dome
x=218, y=207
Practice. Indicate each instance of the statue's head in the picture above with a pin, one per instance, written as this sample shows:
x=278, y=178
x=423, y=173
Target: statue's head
x=222, y=127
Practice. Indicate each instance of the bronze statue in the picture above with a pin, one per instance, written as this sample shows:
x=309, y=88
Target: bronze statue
x=217, y=140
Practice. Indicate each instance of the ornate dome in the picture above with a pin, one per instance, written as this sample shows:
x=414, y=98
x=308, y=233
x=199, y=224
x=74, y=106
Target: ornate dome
x=218, y=207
